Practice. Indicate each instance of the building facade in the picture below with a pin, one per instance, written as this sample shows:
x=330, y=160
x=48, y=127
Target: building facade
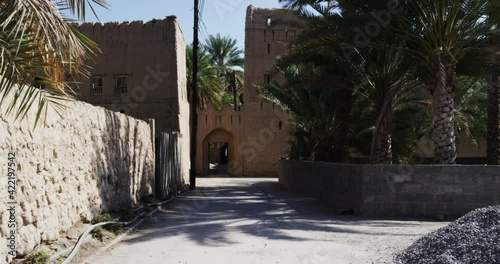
x=141, y=72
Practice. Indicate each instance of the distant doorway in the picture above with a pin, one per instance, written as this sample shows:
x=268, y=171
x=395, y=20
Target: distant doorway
x=218, y=157
x=218, y=153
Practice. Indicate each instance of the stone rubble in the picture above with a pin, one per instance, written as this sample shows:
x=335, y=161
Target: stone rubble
x=474, y=238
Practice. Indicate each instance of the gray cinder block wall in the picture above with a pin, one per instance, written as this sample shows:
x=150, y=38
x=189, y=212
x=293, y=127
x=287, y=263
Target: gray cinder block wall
x=395, y=190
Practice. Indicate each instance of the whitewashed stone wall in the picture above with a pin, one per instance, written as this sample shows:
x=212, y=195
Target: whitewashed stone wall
x=90, y=160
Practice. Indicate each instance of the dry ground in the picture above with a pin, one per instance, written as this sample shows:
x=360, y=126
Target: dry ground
x=229, y=220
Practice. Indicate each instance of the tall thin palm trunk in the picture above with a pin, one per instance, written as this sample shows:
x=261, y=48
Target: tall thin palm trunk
x=494, y=115
x=442, y=69
x=381, y=150
x=341, y=123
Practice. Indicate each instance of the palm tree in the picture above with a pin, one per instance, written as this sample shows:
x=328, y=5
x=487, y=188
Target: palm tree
x=388, y=81
x=494, y=91
x=322, y=36
x=40, y=49
x=210, y=84
x=494, y=114
x=442, y=32
x=378, y=69
x=306, y=97
x=228, y=58
x=224, y=52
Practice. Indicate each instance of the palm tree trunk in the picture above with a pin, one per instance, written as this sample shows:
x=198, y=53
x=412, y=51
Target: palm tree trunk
x=341, y=123
x=381, y=150
x=383, y=154
x=494, y=115
x=442, y=84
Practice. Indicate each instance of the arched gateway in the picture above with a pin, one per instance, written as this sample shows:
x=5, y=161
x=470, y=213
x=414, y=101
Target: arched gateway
x=218, y=152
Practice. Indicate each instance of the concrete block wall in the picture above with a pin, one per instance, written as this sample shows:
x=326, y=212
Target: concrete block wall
x=87, y=161
x=429, y=190
x=396, y=190
x=336, y=184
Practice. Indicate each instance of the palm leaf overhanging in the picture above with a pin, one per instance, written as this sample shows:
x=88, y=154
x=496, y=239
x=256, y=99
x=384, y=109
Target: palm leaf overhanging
x=40, y=53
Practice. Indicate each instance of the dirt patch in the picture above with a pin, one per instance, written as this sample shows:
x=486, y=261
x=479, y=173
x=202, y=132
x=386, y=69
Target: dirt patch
x=67, y=241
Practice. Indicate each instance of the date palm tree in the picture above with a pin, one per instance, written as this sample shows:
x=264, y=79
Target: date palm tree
x=493, y=138
x=388, y=82
x=325, y=37
x=225, y=53
x=39, y=49
x=379, y=71
x=442, y=32
x=227, y=57
x=210, y=84
x=494, y=114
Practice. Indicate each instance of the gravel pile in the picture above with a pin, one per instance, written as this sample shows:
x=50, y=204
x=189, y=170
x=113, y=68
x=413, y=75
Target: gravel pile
x=474, y=238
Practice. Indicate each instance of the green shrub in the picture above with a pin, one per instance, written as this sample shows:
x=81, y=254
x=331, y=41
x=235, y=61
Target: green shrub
x=39, y=257
x=98, y=233
x=102, y=218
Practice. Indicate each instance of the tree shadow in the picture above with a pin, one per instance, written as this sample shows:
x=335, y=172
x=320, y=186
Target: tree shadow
x=121, y=168
x=221, y=215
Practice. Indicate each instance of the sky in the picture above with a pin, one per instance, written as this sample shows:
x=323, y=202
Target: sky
x=226, y=17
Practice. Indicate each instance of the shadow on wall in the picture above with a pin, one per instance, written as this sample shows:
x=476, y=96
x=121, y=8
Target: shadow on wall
x=122, y=168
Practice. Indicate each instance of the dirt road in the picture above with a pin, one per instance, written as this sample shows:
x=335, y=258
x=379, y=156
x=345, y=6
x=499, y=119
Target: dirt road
x=232, y=220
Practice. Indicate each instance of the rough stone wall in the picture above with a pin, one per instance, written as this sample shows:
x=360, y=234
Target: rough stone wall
x=153, y=56
x=90, y=160
x=395, y=190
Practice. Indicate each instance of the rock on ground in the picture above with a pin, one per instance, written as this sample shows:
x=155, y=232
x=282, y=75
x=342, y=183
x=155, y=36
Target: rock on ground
x=474, y=238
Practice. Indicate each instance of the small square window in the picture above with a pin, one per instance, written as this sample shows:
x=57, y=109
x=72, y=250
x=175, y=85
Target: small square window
x=96, y=88
x=267, y=78
x=121, y=84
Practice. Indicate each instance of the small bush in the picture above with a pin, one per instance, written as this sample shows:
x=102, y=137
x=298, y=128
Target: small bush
x=98, y=233
x=101, y=218
x=39, y=257
x=116, y=229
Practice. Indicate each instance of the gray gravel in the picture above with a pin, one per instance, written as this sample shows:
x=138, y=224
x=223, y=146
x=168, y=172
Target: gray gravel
x=474, y=238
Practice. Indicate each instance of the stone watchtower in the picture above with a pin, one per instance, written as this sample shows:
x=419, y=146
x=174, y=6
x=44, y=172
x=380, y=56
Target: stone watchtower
x=254, y=138
x=268, y=35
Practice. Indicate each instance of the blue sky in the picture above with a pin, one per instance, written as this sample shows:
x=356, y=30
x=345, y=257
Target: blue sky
x=219, y=16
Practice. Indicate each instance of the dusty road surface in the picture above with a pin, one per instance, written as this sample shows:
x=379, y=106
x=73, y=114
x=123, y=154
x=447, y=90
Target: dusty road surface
x=233, y=221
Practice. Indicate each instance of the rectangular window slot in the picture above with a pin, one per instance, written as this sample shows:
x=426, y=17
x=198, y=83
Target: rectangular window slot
x=267, y=78
x=121, y=84
x=96, y=86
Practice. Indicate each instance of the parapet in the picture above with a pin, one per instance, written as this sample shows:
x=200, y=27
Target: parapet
x=279, y=17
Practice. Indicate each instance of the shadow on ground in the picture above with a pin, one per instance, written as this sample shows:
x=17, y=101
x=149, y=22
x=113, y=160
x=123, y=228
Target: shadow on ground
x=216, y=215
